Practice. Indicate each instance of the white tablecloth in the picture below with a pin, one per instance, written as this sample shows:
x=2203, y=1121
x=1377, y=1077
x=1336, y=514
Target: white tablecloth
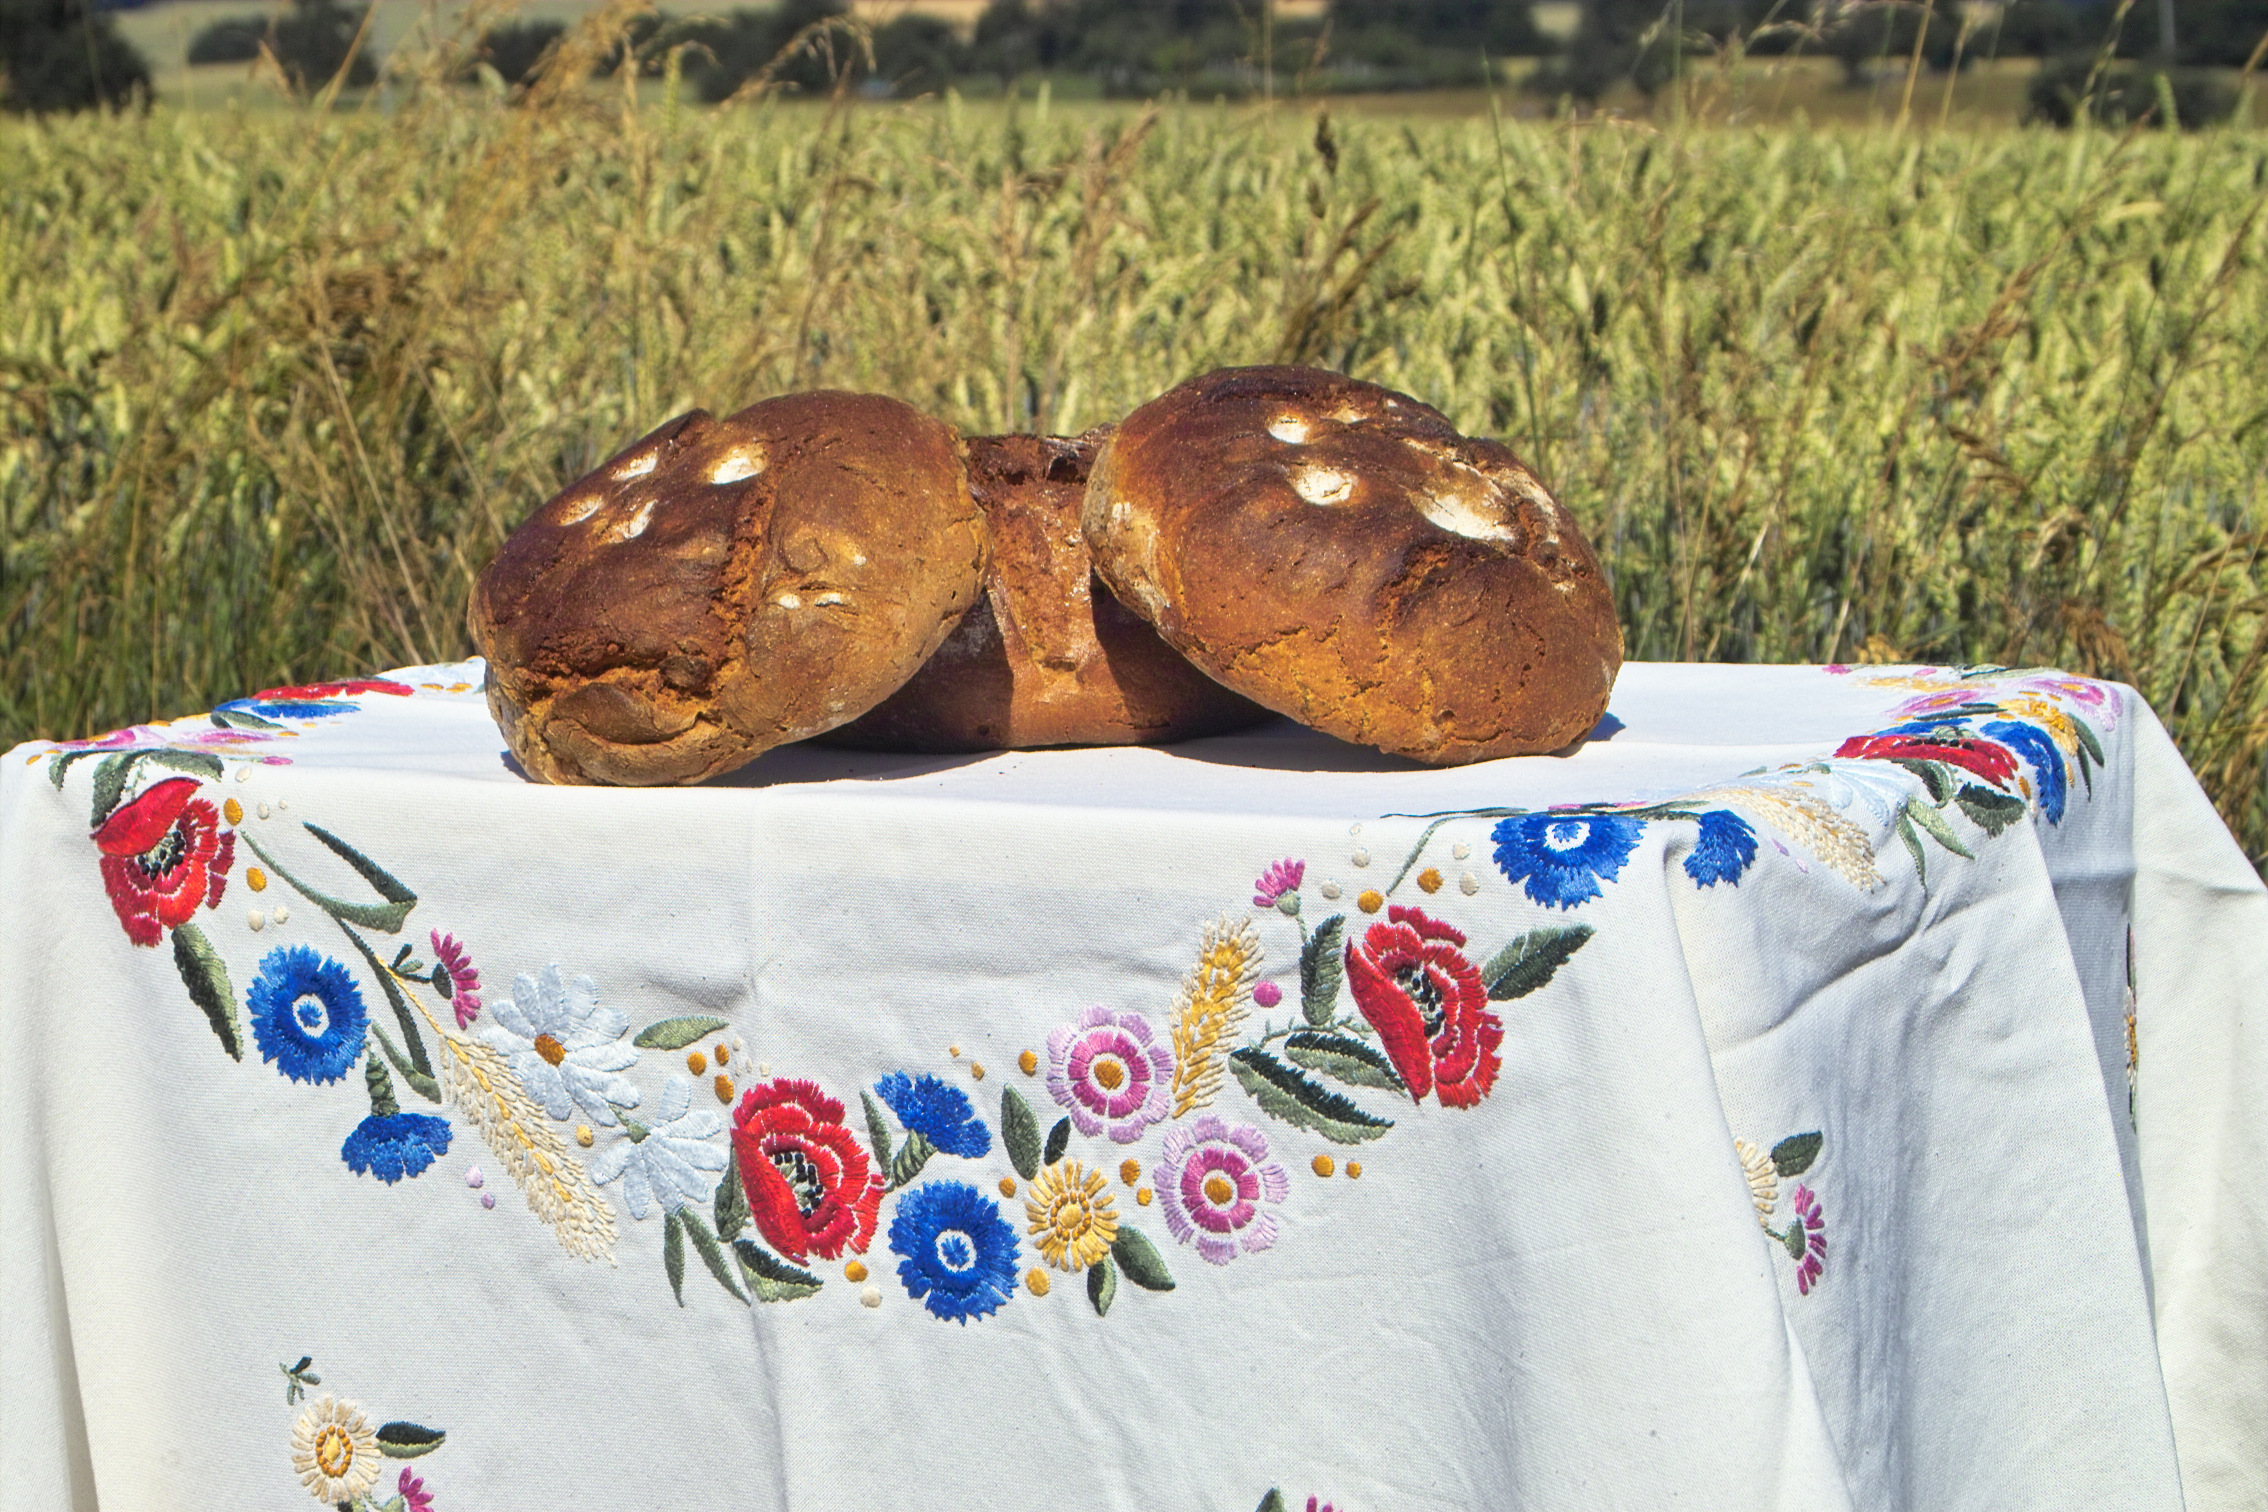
x=1742, y=1111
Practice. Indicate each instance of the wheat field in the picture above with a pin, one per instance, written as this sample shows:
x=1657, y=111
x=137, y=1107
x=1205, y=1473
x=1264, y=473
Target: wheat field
x=273, y=385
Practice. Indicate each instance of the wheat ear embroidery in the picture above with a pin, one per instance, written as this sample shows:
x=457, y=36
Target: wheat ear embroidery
x=1813, y=824
x=1211, y=1005
x=480, y=1084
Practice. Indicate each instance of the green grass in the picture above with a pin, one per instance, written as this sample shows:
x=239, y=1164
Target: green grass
x=273, y=386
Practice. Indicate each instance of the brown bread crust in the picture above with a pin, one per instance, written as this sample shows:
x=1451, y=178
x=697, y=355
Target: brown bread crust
x=721, y=587
x=1337, y=552
x=1047, y=657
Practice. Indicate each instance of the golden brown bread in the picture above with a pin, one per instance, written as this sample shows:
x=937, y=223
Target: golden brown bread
x=1046, y=657
x=724, y=586
x=1337, y=552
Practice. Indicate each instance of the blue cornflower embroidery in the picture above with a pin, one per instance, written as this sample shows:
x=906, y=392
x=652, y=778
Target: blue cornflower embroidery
x=390, y=1146
x=1564, y=857
x=1723, y=851
x=959, y=1255
x=307, y=1015
x=2046, y=758
x=939, y=1113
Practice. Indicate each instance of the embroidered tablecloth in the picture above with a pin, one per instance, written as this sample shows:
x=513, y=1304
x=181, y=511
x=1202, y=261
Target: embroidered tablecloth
x=1826, y=1087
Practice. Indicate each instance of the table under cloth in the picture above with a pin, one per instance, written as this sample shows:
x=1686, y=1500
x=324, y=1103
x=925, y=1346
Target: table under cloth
x=1825, y=1087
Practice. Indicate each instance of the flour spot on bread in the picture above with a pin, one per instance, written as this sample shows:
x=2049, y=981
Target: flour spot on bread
x=637, y=467
x=739, y=464
x=1323, y=486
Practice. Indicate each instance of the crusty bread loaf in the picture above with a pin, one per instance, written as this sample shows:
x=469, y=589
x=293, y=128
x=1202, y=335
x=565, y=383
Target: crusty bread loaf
x=1047, y=657
x=1337, y=552
x=724, y=586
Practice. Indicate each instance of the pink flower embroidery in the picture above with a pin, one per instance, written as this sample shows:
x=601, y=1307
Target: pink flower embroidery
x=1806, y=1239
x=455, y=976
x=1212, y=1183
x=415, y=1498
x=1110, y=1072
x=1284, y=877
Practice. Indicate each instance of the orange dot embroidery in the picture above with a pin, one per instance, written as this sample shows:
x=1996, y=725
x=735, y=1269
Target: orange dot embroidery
x=976, y=1069
x=1142, y=1196
x=1007, y=1186
x=1430, y=880
x=722, y=1052
x=1130, y=1171
x=1325, y=1165
x=1028, y=1063
x=724, y=1088
x=1371, y=900
x=1036, y=1279
x=697, y=1063
x=584, y=1136
x=550, y=1049
x=855, y=1271
x=255, y=879
x=1354, y=1169
x=233, y=811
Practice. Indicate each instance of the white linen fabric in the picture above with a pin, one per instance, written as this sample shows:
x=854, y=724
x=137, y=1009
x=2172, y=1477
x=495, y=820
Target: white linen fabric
x=1827, y=1087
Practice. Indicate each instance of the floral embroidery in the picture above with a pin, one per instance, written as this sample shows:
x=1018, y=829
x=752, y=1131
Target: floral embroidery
x=334, y=1451
x=162, y=855
x=1805, y=1237
x=958, y=1255
x=1279, y=882
x=1724, y=849
x=455, y=979
x=307, y=1015
x=1071, y=1216
x=391, y=1144
x=811, y=1189
x=1428, y=1005
x=932, y=1110
x=1563, y=856
x=309, y=700
x=1110, y=1074
x=564, y=1045
x=671, y=1161
x=1213, y=1180
x=339, y=1458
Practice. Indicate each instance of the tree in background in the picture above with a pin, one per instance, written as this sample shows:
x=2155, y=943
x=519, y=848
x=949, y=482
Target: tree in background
x=64, y=55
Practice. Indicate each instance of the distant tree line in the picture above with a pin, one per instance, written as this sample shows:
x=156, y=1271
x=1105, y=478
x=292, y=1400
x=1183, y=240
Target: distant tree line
x=59, y=54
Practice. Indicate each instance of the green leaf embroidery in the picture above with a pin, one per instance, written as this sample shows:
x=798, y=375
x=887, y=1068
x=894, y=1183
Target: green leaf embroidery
x=2088, y=743
x=387, y=918
x=1058, y=1140
x=1285, y=1094
x=238, y=719
x=676, y=1033
x=206, y=976
x=673, y=1254
x=1344, y=1057
x=1019, y=1133
x=1933, y=775
x=1988, y=808
x=732, y=1200
x=195, y=763
x=404, y=1015
x=381, y=1087
x=911, y=1157
x=1793, y=1155
x=1913, y=845
x=1532, y=960
x=877, y=1129
x=1140, y=1259
x=1933, y=821
x=1102, y=1285
x=423, y=1085
x=770, y=1277
x=711, y=1253
x=110, y=783
x=1272, y=1502
x=60, y=763
x=408, y=1440
x=1322, y=968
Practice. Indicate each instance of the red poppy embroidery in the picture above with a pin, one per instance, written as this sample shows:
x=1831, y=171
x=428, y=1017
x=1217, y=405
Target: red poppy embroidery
x=1428, y=1005
x=811, y=1188
x=331, y=690
x=1991, y=762
x=162, y=855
